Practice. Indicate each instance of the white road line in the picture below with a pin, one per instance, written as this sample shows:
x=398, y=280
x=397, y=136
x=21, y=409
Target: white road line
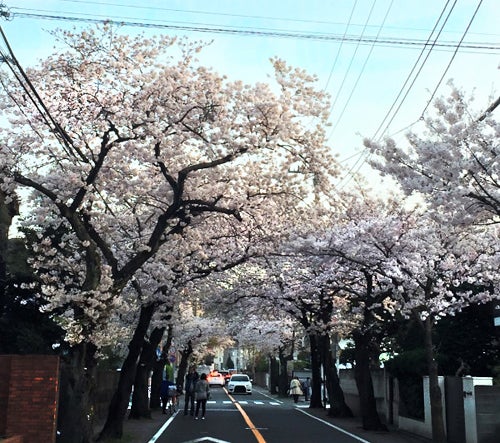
x=270, y=397
x=215, y=440
x=162, y=429
x=334, y=427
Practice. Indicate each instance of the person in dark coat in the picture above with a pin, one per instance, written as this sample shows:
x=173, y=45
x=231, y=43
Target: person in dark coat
x=305, y=387
x=189, y=386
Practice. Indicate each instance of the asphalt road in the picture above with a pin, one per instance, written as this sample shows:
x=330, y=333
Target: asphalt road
x=250, y=419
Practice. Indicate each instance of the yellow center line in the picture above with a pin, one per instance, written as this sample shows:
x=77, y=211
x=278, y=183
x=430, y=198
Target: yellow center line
x=251, y=426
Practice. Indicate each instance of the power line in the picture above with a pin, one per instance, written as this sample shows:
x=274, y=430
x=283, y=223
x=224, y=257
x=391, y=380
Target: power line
x=387, y=41
x=350, y=63
x=362, y=158
x=451, y=60
x=245, y=16
x=412, y=71
x=490, y=109
x=411, y=85
x=339, y=49
x=31, y=92
x=353, y=89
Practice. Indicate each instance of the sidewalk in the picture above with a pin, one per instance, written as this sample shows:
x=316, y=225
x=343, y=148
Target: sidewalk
x=141, y=431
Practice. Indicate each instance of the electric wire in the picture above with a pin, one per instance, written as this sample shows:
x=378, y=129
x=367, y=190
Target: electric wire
x=222, y=14
x=353, y=89
x=451, y=60
x=349, y=173
x=279, y=34
x=375, y=135
x=353, y=56
x=339, y=49
x=23, y=80
x=366, y=153
x=317, y=36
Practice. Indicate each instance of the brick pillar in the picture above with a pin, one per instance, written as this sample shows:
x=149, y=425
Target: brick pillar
x=33, y=398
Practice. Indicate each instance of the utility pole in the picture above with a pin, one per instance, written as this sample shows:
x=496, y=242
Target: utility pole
x=490, y=109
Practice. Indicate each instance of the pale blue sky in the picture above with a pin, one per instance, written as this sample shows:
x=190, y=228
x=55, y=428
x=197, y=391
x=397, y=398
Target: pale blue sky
x=364, y=81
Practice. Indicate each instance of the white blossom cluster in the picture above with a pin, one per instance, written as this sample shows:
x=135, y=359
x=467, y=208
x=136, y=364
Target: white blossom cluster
x=453, y=165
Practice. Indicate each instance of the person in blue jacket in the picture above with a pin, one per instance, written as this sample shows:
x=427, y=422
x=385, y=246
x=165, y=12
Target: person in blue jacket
x=167, y=390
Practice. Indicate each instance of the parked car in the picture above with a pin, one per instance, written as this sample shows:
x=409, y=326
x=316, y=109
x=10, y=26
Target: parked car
x=240, y=384
x=216, y=378
x=225, y=374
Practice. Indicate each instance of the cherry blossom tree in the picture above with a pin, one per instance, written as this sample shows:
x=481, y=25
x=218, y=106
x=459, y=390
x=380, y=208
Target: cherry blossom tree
x=296, y=285
x=454, y=164
x=434, y=280
x=425, y=269
x=162, y=290
x=254, y=323
x=353, y=274
x=135, y=142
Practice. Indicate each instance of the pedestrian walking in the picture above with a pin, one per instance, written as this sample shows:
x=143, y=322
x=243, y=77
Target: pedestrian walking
x=305, y=387
x=202, y=393
x=168, y=396
x=295, y=389
x=189, y=385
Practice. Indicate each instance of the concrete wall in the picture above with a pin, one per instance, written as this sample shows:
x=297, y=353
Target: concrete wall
x=261, y=379
x=29, y=393
x=424, y=427
x=488, y=413
x=348, y=385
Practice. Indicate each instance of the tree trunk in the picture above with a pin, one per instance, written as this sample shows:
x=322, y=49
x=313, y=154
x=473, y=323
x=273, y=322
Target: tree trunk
x=369, y=414
x=183, y=364
x=438, y=428
x=273, y=374
x=316, y=382
x=156, y=379
x=283, y=374
x=338, y=406
x=113, y=428
x=140, y=395
x=140, y=399
x=76, y=398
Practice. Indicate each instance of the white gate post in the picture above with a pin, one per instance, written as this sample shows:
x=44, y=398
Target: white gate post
x=470, y=405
